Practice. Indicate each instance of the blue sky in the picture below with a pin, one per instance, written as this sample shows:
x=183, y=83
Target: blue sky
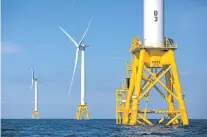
x=30, y=36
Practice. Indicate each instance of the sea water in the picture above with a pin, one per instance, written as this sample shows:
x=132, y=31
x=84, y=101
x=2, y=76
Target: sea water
x=95, y=128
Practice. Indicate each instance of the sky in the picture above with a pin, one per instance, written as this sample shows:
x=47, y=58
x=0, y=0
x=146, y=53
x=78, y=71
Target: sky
x=31, y=37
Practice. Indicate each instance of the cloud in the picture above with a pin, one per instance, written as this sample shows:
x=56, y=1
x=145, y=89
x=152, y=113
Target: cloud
x=9, y=48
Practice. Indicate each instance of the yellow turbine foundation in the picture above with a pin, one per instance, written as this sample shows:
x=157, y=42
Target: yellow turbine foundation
x=149, y=66
x=82, y=111
x=35, y=115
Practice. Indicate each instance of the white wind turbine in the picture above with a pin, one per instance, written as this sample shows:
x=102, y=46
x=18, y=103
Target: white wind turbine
x=35, y=82
x=79, y=46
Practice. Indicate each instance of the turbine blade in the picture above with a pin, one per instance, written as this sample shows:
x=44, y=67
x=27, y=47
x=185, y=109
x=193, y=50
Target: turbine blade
x=32, y=77
x=85, y=32
x=32, y=72
x=76, y=60
x=32, y=84
x=74, y=42
x=73, y=2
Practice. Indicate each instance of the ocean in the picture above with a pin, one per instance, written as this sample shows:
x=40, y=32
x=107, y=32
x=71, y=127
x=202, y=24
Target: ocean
x=95, y=128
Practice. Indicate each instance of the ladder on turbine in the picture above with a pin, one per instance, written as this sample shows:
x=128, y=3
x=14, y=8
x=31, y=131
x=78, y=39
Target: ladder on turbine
x=121, y=95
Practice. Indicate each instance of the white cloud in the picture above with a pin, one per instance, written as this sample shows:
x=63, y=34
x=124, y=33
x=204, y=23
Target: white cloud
x=9, y=48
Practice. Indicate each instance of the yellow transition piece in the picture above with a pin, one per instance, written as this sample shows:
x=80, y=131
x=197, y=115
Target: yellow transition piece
x=150, y=67
x=35, y=115
x=82, y=111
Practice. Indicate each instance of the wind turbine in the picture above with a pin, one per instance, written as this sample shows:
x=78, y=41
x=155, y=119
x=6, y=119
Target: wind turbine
x=35, y=114
x=80, y=46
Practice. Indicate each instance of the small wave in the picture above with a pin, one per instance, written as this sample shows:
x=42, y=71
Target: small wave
x=7, y=129
x=70, y=136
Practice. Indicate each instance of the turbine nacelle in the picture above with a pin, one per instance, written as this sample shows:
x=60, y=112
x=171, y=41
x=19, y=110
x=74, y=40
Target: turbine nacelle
x=83, y=46
x=33, y=77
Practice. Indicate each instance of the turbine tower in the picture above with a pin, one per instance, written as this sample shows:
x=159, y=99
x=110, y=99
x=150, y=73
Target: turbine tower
x=153, y=66
x=35, y=114
x=82, y=108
